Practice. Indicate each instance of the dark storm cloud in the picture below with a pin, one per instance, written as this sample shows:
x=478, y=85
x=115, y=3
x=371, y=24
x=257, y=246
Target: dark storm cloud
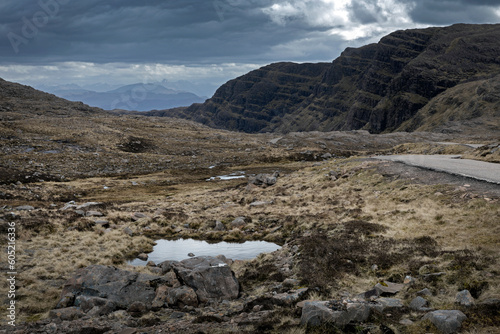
x=361, y=12
x=132, y=31
x=199, y=31
x=444, y=12
x=211, y=41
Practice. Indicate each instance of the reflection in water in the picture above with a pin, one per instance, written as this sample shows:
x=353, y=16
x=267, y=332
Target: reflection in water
x=178, y=250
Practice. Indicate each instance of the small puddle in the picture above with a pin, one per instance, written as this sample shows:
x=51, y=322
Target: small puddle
x=232, y=176
x=178, y=250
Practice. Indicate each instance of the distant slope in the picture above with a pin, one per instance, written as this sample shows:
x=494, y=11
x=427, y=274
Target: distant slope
x=463, y=108
x=377, y=87
x=17, y=99
x=138, y=97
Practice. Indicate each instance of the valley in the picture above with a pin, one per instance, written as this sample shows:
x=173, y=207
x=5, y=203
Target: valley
x=305, y=156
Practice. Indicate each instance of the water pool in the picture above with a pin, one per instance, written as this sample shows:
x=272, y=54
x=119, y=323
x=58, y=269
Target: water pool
x=179, y=249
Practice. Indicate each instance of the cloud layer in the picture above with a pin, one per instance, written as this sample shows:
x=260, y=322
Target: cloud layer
x=177, y=36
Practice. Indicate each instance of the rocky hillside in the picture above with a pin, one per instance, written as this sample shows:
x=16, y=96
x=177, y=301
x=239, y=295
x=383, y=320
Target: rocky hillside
x=18, y=100
x=377, y=87
x=465, y=107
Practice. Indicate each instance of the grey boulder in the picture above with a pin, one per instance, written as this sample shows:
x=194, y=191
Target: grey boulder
x=447, y=321
x=210, y=277
x=316, y=313
x=120, y=287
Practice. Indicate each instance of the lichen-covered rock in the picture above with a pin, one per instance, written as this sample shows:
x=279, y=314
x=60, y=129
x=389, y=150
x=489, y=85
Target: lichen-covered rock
x=118, y=286
x=419, y=304
x=316, y=313
x=447, y=321
x=464, y=298
x=210, y=277
x=384, y=304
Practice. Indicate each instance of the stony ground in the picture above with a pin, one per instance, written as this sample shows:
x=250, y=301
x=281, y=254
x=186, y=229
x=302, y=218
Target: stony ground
x=101, y=190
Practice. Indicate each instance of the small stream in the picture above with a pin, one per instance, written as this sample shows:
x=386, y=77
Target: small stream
x=179, y=249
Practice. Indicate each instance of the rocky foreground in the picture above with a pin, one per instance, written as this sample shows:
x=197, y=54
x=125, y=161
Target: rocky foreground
x=337, y=271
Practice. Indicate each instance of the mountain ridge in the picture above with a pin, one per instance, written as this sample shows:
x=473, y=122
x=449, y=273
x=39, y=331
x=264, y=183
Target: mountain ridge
x=376, y=87
x=17, y=100
x=132, y=97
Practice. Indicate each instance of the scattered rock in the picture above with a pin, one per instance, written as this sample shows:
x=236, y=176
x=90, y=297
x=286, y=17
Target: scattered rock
x=289, y=297
x=290, y=282
x=327, y=156
x=219, y=226
x=316, y=313
x=388, y=288
x=102, y=222
x=409, y=280
x=191, y=255
x=143, y=256
x=419, y=304
x=138, y=215
x=128, y=231
x=464, y=298
x=150, y=264
x=87, y=205
x=94, y=214
x=24, y=208
x=424, y=292
x=80, y=212
x=240, y=221
x=264, y=180
x=370, y=294
x=260, y=203
x=383, y=304
x=69, y=205
x=406, y=322
x=447, y=321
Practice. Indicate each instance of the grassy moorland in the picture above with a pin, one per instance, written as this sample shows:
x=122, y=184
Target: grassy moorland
x=346, y=221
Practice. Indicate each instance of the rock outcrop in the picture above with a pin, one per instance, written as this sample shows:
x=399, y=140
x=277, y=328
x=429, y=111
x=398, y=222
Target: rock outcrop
x=377, y=87
x=99, y=290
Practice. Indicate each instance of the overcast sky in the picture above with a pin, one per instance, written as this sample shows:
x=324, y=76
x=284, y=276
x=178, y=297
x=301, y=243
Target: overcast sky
x=203, y=41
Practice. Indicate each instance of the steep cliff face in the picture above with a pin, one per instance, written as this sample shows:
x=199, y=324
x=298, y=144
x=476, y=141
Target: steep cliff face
x=377, y=87
x=260, y=99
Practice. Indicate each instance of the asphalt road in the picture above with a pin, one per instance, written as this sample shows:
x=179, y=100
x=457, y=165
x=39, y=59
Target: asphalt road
x=452, y=164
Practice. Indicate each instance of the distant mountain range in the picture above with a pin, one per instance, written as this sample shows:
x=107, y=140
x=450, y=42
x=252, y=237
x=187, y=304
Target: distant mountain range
x=135, y=97
x=434, y=79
